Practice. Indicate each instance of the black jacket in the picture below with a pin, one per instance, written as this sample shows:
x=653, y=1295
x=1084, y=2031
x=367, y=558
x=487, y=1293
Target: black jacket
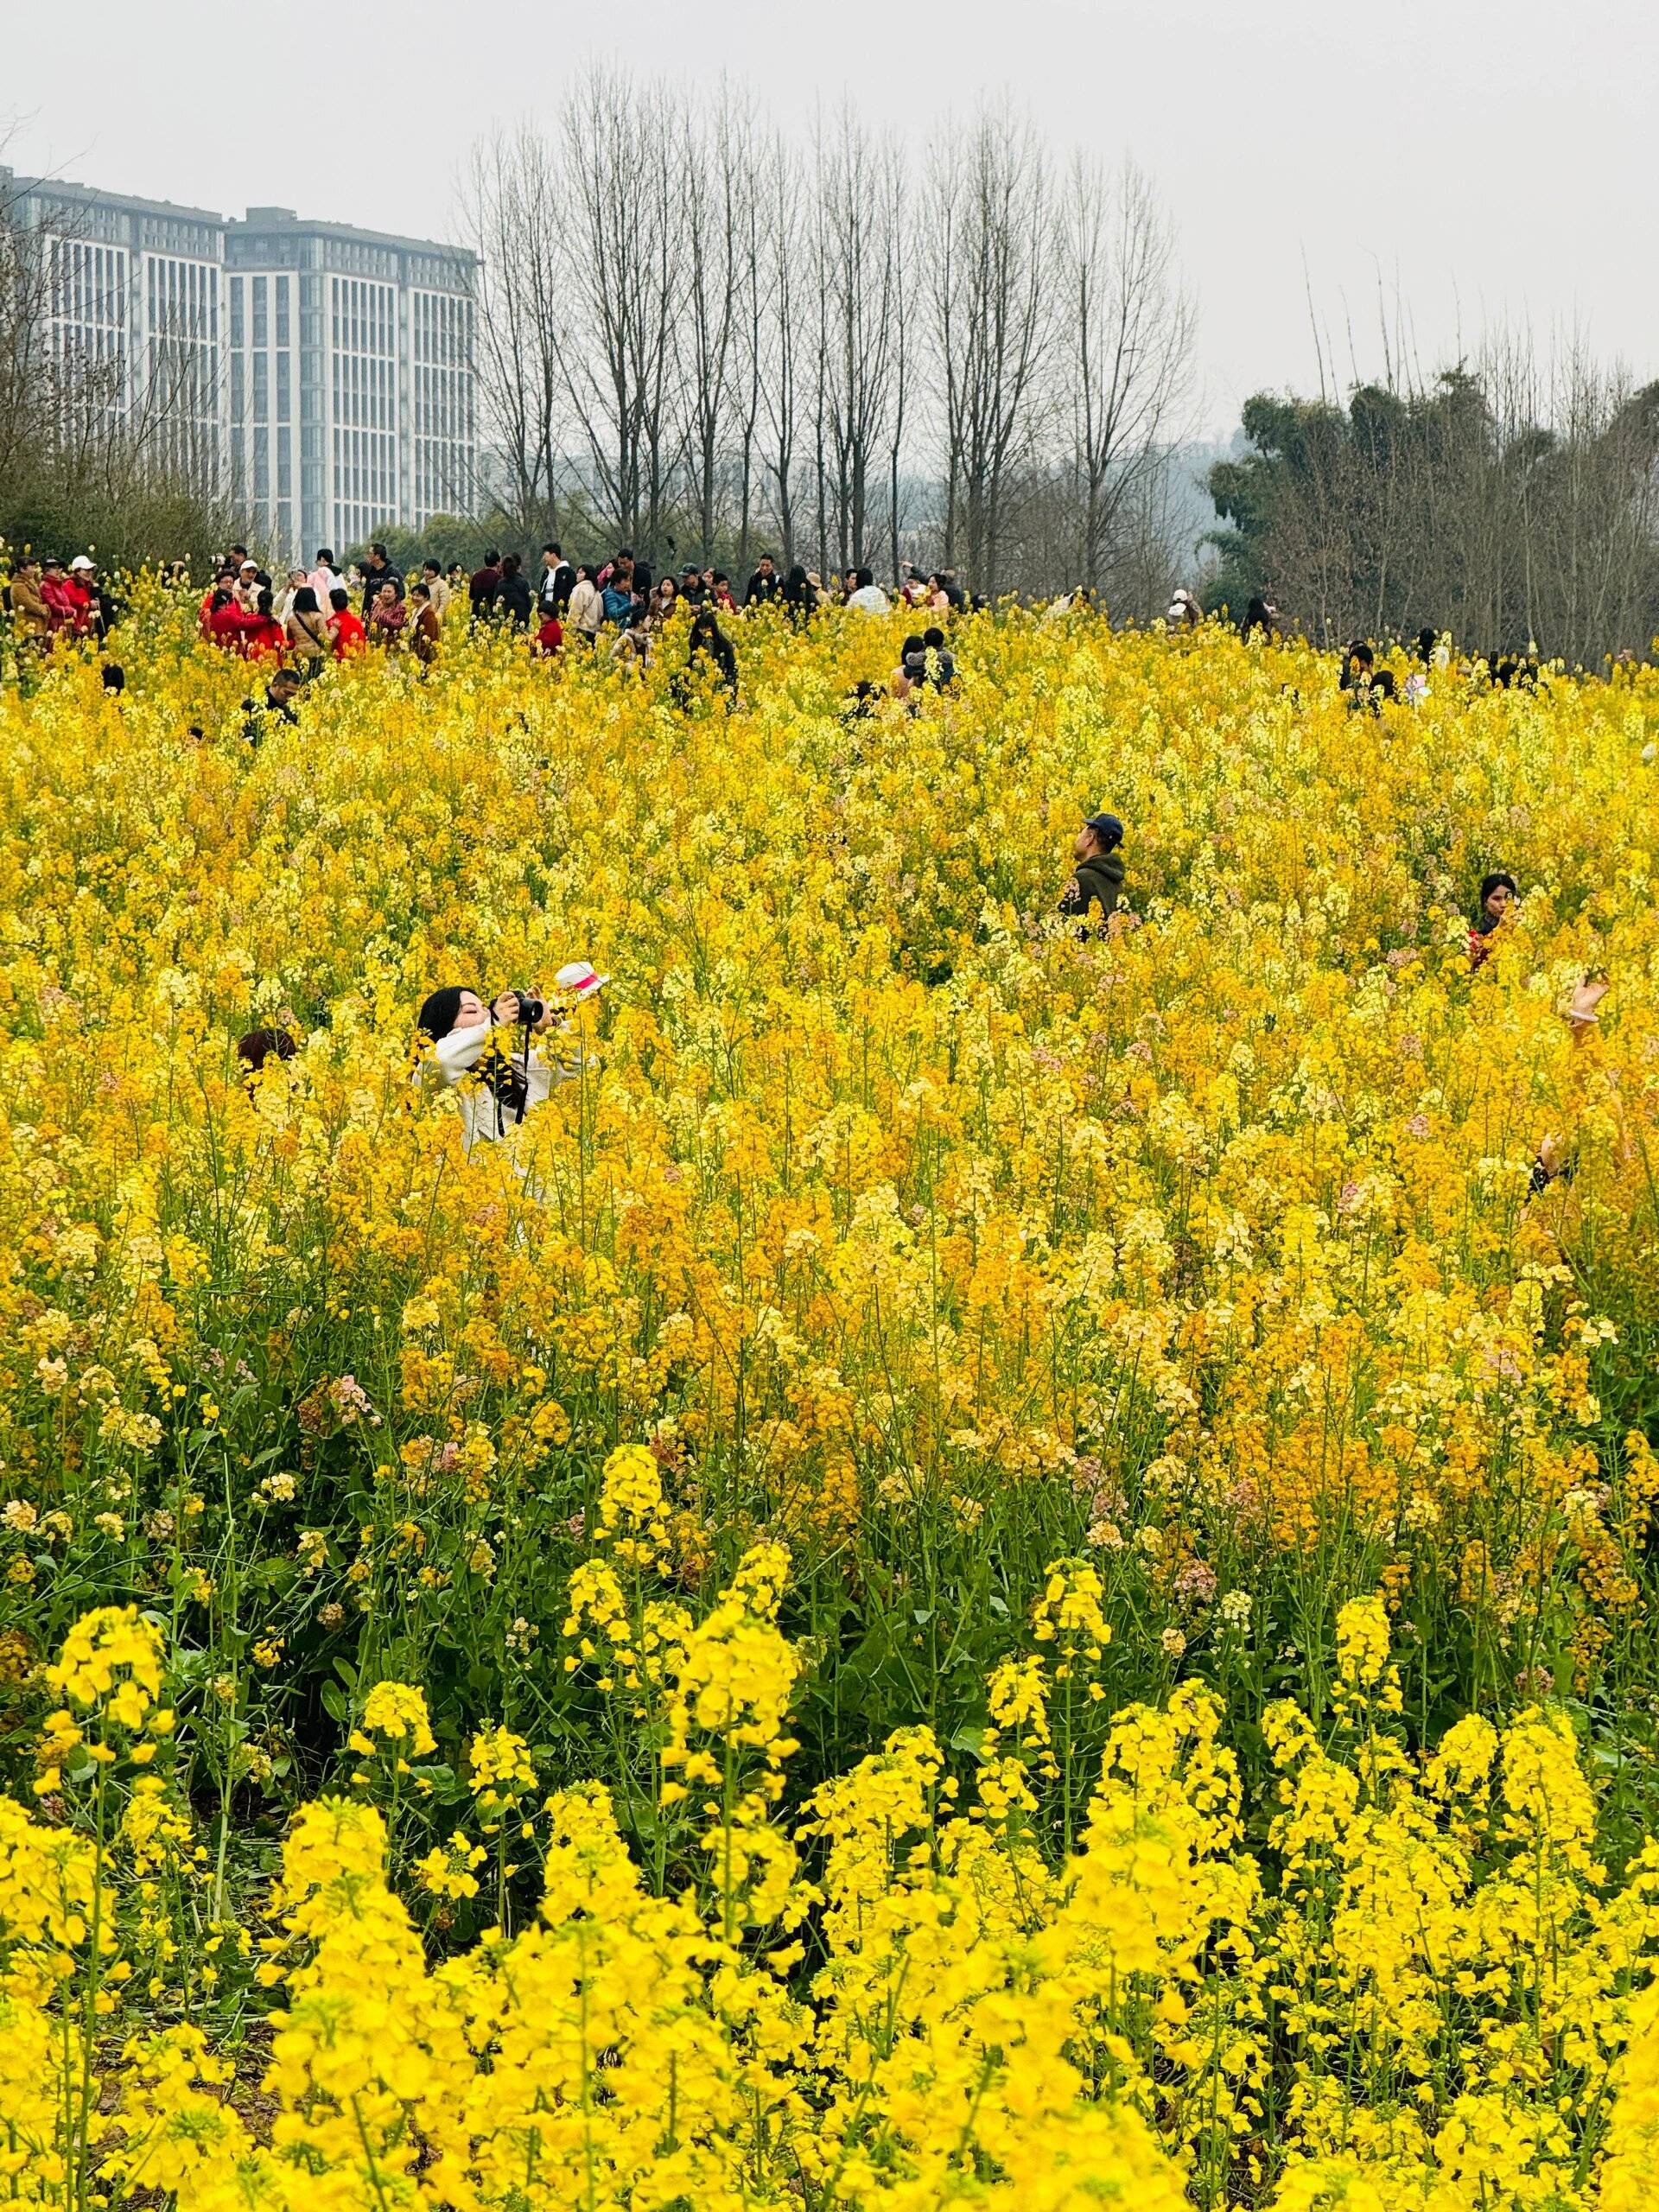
x=555, y=588
x=261, y=715
x=718, y=652
x=1098, y=881
x=373, y=580
x=762, y=590
x=513, y=599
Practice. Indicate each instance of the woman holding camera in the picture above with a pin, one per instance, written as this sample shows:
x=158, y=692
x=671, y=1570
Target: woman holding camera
x=488, y=1053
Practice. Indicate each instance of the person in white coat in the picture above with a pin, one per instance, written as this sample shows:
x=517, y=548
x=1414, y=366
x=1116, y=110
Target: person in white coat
x=488, y=1053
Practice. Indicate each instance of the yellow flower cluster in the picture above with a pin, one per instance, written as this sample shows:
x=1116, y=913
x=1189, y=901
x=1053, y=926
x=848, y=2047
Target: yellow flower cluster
x=1441, y=2002
x=397, y=1711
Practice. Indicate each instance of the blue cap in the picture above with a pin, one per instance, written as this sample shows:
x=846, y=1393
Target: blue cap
x=1107, y=826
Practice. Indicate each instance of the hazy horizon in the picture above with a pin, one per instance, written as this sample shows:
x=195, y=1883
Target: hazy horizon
x=1473, y=171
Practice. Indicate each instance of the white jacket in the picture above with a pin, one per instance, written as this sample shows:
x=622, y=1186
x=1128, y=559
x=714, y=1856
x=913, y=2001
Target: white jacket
x=484, y=1118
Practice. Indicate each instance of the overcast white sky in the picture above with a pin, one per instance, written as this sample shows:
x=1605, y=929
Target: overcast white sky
x=1481, y=161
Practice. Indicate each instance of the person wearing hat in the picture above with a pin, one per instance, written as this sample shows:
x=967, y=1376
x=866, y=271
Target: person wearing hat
x=1098, y=881
x=581, y=980
x=105, y=612
x=90, y=616
x=1185, y=613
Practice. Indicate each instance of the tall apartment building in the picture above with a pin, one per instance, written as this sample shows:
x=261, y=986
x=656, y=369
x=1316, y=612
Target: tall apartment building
x=319, y=376
x=351, y=398
x=130, y=303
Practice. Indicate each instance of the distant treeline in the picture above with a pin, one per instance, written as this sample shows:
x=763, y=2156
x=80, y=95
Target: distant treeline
x=1509, y=507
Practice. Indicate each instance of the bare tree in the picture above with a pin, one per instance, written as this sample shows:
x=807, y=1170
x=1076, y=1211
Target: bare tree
x=624, y=216
x=751, y=366
x=716, y=151
x=1124, y=340
x=509, y=212
x=991, y=300
x=780, y=300
x=858, y=189
x=899, y=414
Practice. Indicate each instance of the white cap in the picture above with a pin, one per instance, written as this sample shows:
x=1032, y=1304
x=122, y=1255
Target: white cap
x=580, y=978
x=81, y=561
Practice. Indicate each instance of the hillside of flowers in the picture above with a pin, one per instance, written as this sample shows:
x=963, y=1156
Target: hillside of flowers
x=986, y=1565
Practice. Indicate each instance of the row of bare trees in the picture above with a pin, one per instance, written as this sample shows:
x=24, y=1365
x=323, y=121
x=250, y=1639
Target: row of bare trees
x=698, y=330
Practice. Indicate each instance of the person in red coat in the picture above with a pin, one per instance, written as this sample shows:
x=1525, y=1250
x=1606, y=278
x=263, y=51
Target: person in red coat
x=263, y=635
x=81, y=600
x=344, y=627
x=226, y=623
x=69, y=604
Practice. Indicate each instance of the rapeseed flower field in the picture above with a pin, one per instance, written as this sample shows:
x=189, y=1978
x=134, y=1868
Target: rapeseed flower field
x=983, y=1565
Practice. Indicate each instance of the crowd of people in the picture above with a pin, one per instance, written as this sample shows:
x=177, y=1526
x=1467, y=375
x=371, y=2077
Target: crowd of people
x=496, y=1056
x=617, y=608
x=620, y=605
x=51, y=599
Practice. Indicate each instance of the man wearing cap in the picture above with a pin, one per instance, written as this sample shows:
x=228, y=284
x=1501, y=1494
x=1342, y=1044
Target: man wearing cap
x=1099, y=878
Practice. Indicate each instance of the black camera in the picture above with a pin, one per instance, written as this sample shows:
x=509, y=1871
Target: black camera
x=531, y=1008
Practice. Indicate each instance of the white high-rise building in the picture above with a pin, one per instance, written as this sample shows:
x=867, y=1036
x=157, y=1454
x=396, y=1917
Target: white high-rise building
x=352, y=400
x=131, y=304
x=318, y=376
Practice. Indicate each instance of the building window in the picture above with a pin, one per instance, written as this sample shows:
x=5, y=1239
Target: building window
x=363, y=385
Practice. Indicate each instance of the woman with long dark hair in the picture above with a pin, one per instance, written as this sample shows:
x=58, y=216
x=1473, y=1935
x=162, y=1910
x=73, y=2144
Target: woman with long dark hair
x=709, y=647
x=307, y=632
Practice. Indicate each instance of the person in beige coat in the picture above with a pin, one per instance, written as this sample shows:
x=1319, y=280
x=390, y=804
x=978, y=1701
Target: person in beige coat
x=31, y=618
x=586, y=613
